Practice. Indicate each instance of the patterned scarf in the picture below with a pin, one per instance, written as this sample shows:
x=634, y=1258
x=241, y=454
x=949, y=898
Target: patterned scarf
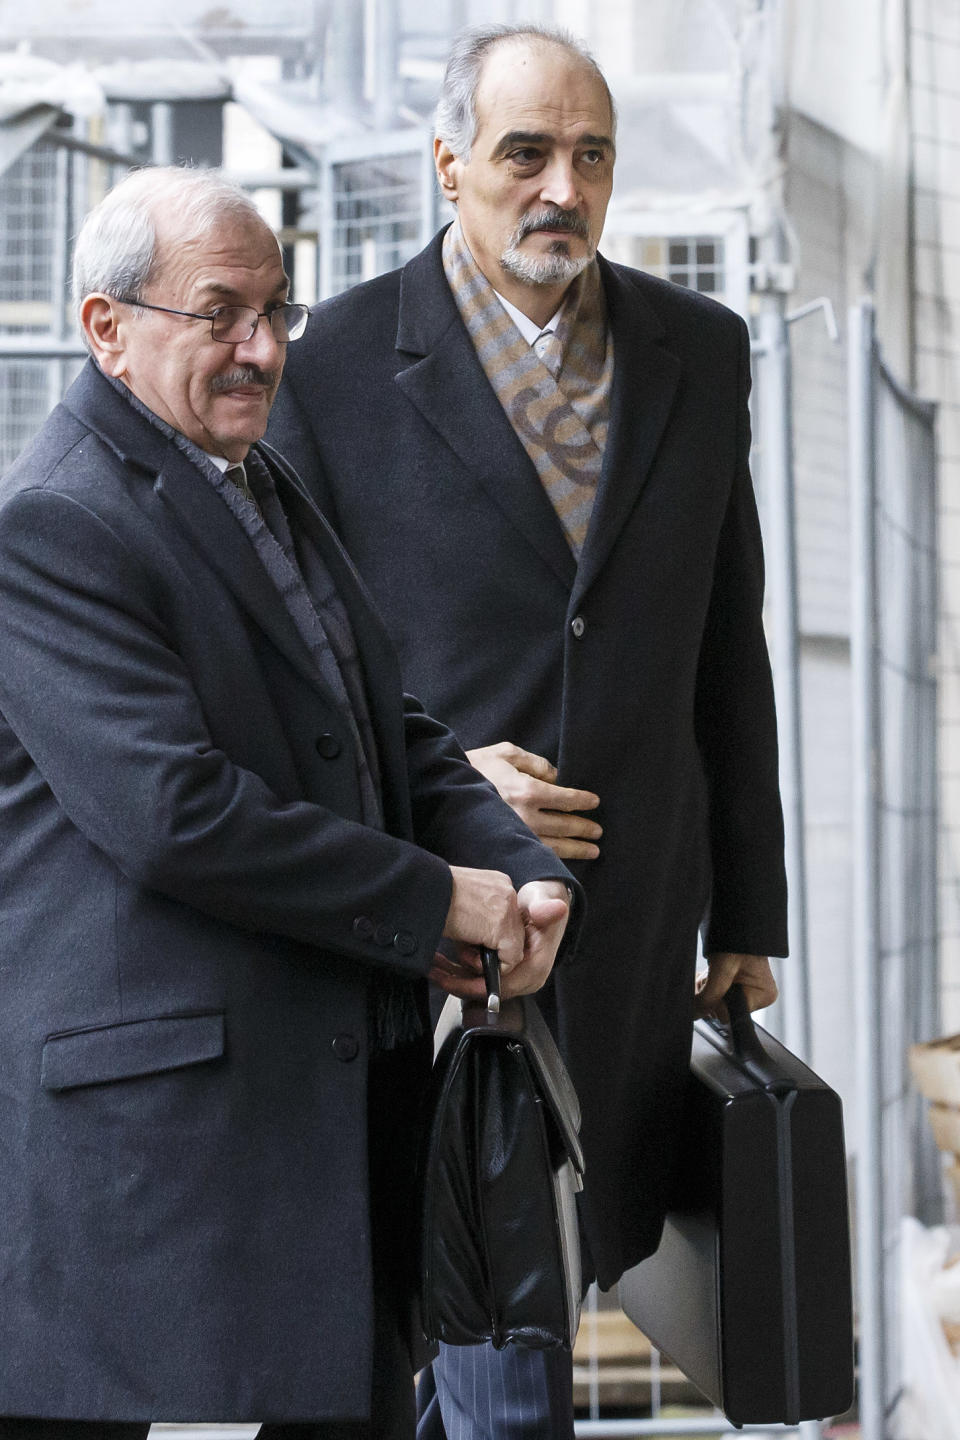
x=560, y=421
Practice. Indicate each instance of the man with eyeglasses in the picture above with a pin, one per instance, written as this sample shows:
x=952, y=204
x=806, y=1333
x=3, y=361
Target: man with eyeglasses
x=229, y=848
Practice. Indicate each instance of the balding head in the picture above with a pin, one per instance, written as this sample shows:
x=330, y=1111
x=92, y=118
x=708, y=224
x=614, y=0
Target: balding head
x=456, y=120
x=117, y=251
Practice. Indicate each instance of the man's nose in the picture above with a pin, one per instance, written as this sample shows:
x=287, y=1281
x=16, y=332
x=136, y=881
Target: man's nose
x=560, y=185
x=263, y=348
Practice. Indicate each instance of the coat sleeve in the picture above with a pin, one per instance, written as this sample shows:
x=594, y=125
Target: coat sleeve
x=736, y=727
x=456, y=812
x=460, y=815
x=100, y=699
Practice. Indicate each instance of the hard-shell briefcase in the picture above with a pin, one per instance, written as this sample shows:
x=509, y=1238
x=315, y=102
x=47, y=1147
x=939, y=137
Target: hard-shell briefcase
x=749, y=1292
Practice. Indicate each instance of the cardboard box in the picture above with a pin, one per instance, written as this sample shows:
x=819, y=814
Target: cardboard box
x=936, y=1070
x=951, y=1177
x=945, y=1123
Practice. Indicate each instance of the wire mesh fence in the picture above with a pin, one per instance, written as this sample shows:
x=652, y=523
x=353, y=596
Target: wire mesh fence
x=894, y=607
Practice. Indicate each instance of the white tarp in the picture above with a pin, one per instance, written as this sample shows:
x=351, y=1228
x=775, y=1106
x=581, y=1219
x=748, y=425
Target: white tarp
x=929, y=1294
x=33, y=93
x=27, y=81
x=163, y=79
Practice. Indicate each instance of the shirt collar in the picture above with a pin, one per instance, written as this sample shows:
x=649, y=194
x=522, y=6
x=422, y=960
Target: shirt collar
x=528, y=328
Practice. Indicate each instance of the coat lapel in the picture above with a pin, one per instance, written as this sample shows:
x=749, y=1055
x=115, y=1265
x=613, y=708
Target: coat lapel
x=214, y=531
x=445, y=382
x=645, y=378
x=378, y=658
x=374, y=645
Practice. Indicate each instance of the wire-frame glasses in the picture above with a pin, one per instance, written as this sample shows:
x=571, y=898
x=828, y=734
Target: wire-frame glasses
x=235, y=324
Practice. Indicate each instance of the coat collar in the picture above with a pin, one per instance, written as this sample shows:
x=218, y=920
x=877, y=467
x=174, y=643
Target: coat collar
x=195, y=505
x=445, y=382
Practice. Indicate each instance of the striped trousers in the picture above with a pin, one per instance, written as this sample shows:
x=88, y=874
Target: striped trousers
x=474, y=1392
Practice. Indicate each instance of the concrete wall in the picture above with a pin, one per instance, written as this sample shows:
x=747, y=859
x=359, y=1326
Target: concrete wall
x=934, y=60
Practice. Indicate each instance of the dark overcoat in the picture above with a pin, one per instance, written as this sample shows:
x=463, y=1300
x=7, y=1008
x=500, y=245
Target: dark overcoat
x=190, y=914
x=642, y=672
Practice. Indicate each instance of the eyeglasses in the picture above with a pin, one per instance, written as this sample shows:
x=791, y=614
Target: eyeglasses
x=235, y=324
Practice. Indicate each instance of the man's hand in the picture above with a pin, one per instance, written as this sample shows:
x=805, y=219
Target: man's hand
x=541, y=909
x=545, y=908
x=485, y=911
x=751, y=972
x=528, y=784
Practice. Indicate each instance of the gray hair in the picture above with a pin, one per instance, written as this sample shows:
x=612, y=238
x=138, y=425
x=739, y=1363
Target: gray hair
x=116, y=248
x=456, y=122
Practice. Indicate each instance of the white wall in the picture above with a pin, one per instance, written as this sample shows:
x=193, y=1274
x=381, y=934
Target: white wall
x=835, y=66
x=935, y=92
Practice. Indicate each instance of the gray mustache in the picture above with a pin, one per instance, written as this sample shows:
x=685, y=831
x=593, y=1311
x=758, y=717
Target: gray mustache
x=553, y=219
x=243, y=375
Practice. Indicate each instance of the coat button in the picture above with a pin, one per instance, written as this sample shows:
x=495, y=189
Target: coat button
x=384, y=934
x=363, y=927
x=406, y=942
x=346, y=1048
x=328, y=745
x=578, y=625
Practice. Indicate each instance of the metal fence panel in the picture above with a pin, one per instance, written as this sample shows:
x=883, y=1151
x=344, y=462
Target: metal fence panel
x=894, y=605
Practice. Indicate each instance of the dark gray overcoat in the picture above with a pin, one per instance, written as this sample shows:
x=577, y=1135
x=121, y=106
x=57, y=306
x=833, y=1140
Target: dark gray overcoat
x=642, y=672
x=190, y=914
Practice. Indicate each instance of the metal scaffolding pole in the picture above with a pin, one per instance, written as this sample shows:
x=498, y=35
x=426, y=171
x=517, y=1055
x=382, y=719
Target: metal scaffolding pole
x=773, y=281
x=776, y=449
x=869, y=1188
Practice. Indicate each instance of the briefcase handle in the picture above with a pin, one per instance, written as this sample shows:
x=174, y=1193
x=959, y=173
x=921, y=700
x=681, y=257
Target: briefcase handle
x=746, y=1044
x=490, y=959
x=743, y=1032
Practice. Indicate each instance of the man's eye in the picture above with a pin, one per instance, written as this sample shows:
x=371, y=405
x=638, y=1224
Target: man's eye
x=593, y=157
x=524, y=157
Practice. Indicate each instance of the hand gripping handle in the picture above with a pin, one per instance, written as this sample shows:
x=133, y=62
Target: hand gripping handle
x=743, y=1033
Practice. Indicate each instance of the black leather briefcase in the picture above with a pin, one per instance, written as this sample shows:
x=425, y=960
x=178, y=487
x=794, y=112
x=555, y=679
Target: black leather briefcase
x=749, y=1292
x=502, y=1163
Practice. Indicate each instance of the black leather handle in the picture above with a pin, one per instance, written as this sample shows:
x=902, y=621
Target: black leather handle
x=490, y=960
x=743, y=1033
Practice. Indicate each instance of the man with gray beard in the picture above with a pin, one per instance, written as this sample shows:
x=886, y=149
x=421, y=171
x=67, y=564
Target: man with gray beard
x=539, y=463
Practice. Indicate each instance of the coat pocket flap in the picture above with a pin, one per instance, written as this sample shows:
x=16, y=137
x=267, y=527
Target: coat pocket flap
x=135, y=1047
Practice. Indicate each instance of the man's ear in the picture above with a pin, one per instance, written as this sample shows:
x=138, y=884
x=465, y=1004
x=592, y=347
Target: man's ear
x=100, y=321
x=448, y=169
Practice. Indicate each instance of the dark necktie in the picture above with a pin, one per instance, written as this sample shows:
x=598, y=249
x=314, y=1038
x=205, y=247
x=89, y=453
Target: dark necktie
x=238, y=476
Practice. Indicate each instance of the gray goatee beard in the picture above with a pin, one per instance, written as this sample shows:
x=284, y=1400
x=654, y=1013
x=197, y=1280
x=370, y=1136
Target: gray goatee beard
x=557, y=266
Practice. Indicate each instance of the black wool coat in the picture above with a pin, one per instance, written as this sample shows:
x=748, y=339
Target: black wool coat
x=191, y=913
x=641, y=672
